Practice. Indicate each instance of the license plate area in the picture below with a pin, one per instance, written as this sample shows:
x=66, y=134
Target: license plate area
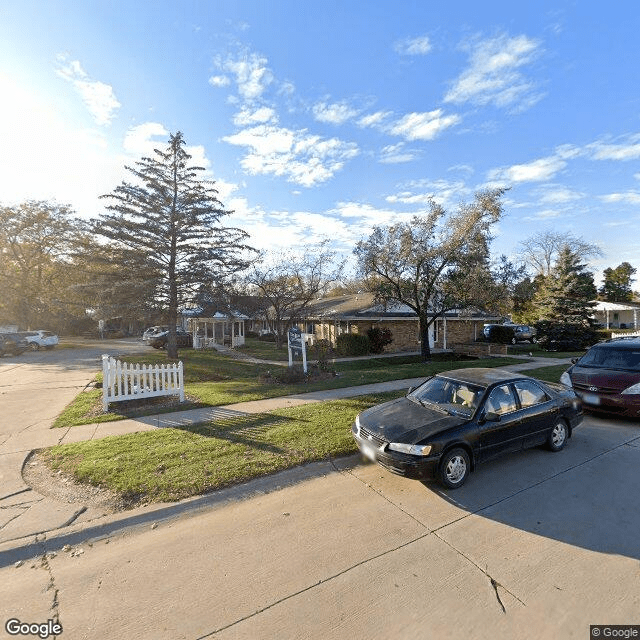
x=368, y=451
x=590, y=398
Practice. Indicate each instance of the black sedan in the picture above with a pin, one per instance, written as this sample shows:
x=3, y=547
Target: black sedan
x=159, y=340
x=457, y=419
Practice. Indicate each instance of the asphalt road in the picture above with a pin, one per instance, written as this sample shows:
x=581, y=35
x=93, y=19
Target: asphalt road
x=536, y=545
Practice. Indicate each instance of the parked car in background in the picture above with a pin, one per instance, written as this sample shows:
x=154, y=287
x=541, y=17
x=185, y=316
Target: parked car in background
x=523, y=333
x=12, y=344
x=159, y=340
x=40, y=339
x=607, y=377
x=509, y=333
x=457, y=419
x=153, y=331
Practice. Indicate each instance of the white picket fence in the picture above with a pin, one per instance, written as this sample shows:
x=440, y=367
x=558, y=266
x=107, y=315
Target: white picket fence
x=626, y=334
x=124, y=381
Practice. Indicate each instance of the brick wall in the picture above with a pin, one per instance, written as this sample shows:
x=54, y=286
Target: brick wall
x=479, y=349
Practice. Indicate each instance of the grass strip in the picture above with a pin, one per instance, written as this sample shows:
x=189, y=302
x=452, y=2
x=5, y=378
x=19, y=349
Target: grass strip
x=172, y=464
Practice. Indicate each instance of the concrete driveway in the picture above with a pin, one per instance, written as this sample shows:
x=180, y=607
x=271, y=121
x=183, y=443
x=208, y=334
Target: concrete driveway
x=536, y=545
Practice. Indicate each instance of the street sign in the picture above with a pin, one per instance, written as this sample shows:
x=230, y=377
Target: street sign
x=297, y=346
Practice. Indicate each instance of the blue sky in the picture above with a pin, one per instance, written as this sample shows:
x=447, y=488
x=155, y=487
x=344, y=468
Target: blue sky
x=324, y=119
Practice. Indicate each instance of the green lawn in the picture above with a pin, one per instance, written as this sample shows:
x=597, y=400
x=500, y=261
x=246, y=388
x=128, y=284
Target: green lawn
x=550, y=374
x=265, y=350
x=213, y=379
x=171, y=464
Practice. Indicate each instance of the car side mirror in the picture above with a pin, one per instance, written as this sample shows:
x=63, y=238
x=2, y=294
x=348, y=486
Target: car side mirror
x=574, y=360
x=410, y=390
x=491, y=416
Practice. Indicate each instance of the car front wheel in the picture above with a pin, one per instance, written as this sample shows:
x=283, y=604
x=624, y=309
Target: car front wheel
x=34, y=346
x=558, y=436
x=454, y=468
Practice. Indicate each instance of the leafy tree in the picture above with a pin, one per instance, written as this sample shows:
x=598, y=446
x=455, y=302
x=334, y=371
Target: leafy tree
x=290, y=281
x=540, y=251
x=435, y=262
x=617, y=283
x=568, y=292
x=37, y=242
x=166, y=228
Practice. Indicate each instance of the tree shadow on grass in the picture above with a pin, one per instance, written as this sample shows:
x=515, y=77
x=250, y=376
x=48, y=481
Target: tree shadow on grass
x=250, y=429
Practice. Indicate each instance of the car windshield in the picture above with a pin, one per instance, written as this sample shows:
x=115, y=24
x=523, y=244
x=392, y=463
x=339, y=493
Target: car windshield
x=612, y=358
x=451, y=396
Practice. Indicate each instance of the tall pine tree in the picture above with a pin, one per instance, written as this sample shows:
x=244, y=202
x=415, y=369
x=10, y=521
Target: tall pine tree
x=165, y=227
x=568, y=291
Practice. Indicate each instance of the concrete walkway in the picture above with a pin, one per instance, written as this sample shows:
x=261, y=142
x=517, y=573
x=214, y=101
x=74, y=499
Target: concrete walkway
x=24, y=513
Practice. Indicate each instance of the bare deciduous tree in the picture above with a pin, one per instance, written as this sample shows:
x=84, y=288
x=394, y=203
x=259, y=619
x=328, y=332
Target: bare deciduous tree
x=290, y=281
x=541, y=250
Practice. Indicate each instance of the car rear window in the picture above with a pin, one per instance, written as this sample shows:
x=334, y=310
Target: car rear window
x=611, y=358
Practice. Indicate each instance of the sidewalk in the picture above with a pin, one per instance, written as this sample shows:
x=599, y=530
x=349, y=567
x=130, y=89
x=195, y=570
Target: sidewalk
x=24, y=513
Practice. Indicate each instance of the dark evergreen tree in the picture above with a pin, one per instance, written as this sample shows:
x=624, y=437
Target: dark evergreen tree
x=617, y=283
x=567, y=294
x=166, y=228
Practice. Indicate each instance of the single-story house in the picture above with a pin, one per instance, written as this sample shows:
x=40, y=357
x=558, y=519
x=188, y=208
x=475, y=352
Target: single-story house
x=617, y=315
x=327, y=318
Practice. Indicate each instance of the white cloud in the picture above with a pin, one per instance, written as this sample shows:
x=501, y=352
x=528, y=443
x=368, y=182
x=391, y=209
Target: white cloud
x=628, y=150
x=397, y=153
x=535, y=171
x=413, y=46
x=494, y=74
x=421, y=193
x=628, y=197
x=302, y=158
x=219, y=81
x=374, y=119
x=546, y=214
x=559, y=195
x=138, y=140
x=363, y=215
x=98, y=97
x=261, y=115
x=251, y=75
x=335, y=113
x=423, y=126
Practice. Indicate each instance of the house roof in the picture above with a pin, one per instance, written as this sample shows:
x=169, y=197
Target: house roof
x=615, y=306
x=363, y=306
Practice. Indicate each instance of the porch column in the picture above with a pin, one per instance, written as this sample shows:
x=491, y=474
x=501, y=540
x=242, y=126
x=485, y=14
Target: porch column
x=444, y=333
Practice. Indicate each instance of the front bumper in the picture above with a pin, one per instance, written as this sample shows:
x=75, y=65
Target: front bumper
x=402, y=464
x=627, y=405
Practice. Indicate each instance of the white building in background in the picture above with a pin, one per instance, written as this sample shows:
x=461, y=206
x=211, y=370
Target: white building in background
x=617, y=315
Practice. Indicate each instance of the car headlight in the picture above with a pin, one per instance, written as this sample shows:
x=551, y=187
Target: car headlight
x=632, y=389
x=565, y=379
x=358, y=424
x=412, y=449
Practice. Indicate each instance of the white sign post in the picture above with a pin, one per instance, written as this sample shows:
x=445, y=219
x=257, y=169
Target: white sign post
x=297, y=345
